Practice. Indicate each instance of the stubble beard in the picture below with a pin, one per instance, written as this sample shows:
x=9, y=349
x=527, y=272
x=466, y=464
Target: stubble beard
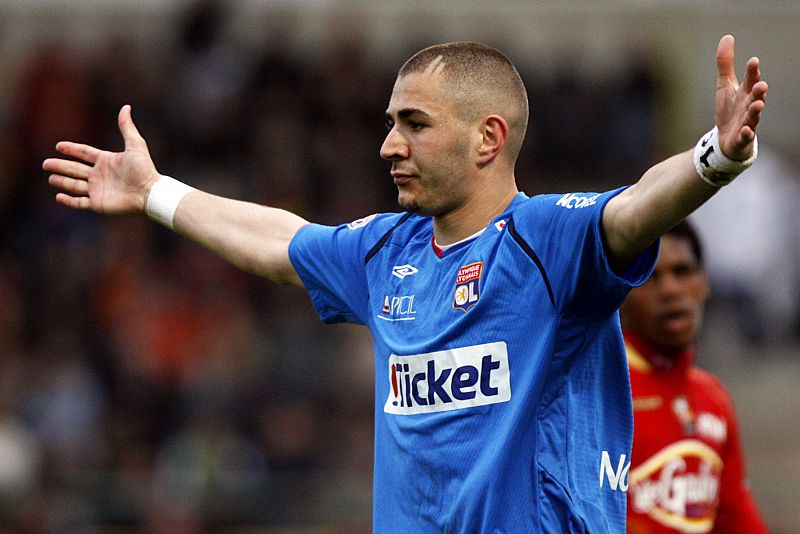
x=438, y=202
x=440, y=188
x=407, y=205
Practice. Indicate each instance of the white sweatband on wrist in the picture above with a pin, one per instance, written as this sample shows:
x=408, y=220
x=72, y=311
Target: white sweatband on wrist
x=714, y=167
x=163, y=200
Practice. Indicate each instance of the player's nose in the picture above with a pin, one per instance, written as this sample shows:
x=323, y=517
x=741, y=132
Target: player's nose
x=671, y=285
x=394, y=147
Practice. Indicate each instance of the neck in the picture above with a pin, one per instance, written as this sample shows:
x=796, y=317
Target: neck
x=661, y=358
x=473, y=214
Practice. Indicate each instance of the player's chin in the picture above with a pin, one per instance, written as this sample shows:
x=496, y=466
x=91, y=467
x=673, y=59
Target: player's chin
x=426, y=205
x=409, y=200
x=677, y=338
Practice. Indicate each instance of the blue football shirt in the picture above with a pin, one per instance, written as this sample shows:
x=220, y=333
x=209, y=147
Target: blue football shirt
x=502, y=397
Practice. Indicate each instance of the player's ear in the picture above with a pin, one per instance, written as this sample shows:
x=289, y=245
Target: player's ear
x=494, y=133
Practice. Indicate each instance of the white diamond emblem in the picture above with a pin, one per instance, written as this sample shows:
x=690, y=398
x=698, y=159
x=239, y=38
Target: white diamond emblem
x=401, y=271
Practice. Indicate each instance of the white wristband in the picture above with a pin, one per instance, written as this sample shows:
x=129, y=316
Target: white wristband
x=163, y=200
x=714, y=167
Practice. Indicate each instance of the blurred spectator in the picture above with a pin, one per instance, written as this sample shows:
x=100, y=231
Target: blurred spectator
x=570, y=113
x=20, y=452
x=64, y=404
x=53, y=98
x=128, y=385
x=204, y=99
x=209, y=471
x=752, y=232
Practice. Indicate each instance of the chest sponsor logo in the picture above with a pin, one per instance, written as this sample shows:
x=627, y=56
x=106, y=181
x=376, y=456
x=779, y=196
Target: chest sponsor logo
x=398, y=308
x=572, y=201
x=446, y=380
x=468, y=286
x=678, y=486
x=401, y=271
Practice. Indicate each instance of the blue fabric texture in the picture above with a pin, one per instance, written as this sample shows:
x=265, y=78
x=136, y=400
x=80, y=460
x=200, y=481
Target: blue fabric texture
x=502, y=393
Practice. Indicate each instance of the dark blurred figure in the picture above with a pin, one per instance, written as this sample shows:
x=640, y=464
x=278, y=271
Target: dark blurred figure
x=687, y=471
x=204, y=104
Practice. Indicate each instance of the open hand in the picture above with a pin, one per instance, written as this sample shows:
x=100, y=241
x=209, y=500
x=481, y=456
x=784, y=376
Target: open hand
x=737, y=107
x=111, y=183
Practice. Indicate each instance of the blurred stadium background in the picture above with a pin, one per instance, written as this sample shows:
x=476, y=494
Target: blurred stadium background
x=146, y=386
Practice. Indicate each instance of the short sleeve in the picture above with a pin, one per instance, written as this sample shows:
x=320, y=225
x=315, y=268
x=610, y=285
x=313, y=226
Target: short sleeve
x=326, y=258
x=566, y=232
x=330, y=260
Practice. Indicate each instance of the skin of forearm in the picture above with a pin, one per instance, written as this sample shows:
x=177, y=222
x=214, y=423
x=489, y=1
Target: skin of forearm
x=252, y=237
x=665, y=195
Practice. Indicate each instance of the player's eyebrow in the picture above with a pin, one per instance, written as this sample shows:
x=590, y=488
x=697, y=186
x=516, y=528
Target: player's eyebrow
x=407, y=112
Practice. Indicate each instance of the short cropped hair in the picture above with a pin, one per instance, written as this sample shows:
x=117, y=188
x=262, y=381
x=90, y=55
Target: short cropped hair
x=484, y=81
x=685, y=230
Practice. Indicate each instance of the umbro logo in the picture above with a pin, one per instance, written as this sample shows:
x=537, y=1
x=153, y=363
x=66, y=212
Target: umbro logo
x=401, y=271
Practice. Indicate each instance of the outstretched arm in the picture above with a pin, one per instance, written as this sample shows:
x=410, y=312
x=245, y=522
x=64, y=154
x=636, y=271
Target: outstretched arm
x=252, y=237
x=671, y=190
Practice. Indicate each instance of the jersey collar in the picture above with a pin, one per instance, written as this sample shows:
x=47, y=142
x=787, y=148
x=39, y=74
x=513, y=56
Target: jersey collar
x=499, y=222
x=644, y=357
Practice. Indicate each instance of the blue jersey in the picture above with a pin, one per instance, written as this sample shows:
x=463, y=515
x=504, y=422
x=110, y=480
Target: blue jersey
x=502, y=398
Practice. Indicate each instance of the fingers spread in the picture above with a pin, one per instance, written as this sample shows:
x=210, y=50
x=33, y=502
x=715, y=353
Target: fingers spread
x=752, y=74
x=754, y=113
x=129, y=132
x=725, y=58
x=746, y=135
x=760, y=91
x=68, y=168
x=80, y=151
x=77, y=203
x=70, y=185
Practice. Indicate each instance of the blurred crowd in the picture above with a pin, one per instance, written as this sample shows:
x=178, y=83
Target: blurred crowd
x=147, y=385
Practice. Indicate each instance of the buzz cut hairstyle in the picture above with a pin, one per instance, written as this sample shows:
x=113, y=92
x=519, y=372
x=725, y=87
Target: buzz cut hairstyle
x=480, y=76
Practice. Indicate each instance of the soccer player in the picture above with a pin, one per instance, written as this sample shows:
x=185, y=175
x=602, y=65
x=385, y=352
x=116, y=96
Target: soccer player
x=502, y=401
x=687, y=469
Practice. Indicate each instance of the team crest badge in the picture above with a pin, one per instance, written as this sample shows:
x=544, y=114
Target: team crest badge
x=468, y=286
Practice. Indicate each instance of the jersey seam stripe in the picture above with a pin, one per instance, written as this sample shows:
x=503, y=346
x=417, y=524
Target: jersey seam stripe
x=526, y=248
x=374, y=250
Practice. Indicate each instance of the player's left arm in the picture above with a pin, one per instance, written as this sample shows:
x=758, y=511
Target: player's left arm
x=671, y=190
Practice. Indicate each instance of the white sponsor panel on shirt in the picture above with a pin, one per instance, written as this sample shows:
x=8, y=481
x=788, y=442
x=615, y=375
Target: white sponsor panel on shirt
x=451, y=379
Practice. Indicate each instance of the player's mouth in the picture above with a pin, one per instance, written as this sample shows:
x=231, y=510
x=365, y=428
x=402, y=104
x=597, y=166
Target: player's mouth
x=676, y=320
x=402, y=178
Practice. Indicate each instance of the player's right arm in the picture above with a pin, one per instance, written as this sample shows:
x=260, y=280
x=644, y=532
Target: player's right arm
x=671, y=190
x=253, y=237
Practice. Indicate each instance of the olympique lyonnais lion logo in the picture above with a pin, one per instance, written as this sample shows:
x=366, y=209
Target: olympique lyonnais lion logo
x=468, y=286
